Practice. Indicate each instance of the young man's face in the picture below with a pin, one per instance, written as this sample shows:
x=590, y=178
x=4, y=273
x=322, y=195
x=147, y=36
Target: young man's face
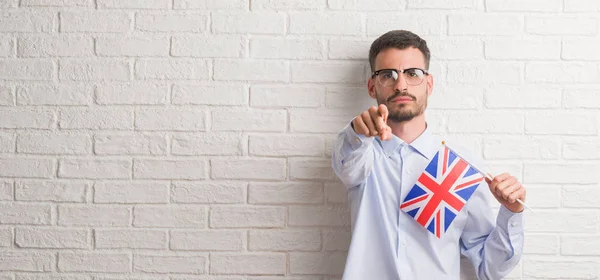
x=404, y=99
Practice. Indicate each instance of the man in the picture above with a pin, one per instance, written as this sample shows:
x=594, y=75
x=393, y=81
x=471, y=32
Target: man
x=379, y=157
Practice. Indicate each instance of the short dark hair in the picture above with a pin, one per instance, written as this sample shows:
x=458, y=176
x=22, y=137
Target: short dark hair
x=400, y=39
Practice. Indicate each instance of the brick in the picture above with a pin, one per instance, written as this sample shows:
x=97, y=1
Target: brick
x=27, y=167
x=541, y=244
x=348, y=49
x=53, y=191
x=455, y=97
x=286, y=145
x=581, y=148
x=188, y=240
x=561, y=123
x=284, y=240
x=136, y=93
x=311, y=169
x=6, y=238
x=6, y=191
x=563, y=25
x=336, y=240
x=530, y=48
x=25, y=214
x=321, y=263
x=522, y=148
x=482, y=123
x=94, y=168
x=55, y=94
x=206, y=144
x=579, y=173
x=579, y=196
x=169, y=169
x=172, y=22
x=95, y=21
x=94, y=262
x=130, y=144
x=260, y=169
x=53, y=143
x=222, y=95
x=132, y=45
x=330, y=216
x=548, y=269
x=442, y=4
x=328, y=72
x=169, y=216
x=252, y=22
x=169, y=264
x=580, y=98
x=249, y=120
x=7, y=142
x=303, y=5
x=252, y=70
x=335, y=23
x=248, y=263
x=581, y=6
x=51, y=238
x=8, y=4
x=515, y=169
x=269, y=47
x=247, y=216
x=561, y=73
x=7, y=96
x=128, y=192
x=423, y=24
x=27, y=261
x=104, y=69
x=95, y=216
x=55, y=46
x=211, y=5
x=520, y=6
x=137, y=4
x=130, y=239
x=563, y=222
x=579, y=246
x=455, y=48
x=486, y=24
x=319, y=120
x=355, y=99
x=27, y=118
x=26, y=69
x=572, y=49
x=365, y=5
x=171, y=69
x=170, y=119
x=484, y=73
x=56, y=3
x=544, y=196
x=208, y=192
x=208, y=46
x=286, y=96
x=289, y=278
x=336, y=193
x=523, y=96
x=284, y=193
x=27, y=21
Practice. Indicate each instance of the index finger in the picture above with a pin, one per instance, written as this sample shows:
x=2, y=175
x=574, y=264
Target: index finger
x=383, y=111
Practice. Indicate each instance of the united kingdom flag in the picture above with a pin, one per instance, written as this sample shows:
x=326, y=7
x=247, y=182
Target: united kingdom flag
x=441, y=191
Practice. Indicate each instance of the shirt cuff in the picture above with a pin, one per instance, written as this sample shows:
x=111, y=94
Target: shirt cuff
x=356, y=140
x=510, y=222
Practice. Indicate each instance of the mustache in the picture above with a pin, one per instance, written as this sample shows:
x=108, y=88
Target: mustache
x=401, y=94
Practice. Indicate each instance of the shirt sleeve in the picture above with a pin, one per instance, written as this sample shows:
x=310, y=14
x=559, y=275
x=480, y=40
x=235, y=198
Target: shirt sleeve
x=494, y=249
x=353, y=157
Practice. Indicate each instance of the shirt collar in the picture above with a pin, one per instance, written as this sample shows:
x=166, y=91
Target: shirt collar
x=424, y=144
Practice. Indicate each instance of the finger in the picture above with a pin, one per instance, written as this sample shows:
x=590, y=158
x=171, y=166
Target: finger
x=386, y=133
x=505, y=184
x=360, y=127
x=501, y=177
x=519, y=193
x=366, y=117
x=379, y=121
x=383, y=111
x=506, y=192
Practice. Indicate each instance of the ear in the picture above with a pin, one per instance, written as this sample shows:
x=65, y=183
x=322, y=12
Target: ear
x=371, y=88
x=429, y=84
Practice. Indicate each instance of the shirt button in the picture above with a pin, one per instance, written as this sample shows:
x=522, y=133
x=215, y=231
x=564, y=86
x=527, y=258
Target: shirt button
x=514, y=224
x=357, y=140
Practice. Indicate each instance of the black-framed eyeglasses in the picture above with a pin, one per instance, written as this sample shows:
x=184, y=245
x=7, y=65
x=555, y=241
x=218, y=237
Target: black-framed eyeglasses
x=389, y=77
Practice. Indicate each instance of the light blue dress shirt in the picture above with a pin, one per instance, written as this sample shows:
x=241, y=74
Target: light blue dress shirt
x=388, y=244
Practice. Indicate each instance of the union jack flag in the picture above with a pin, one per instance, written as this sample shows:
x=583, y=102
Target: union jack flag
x=441, y=191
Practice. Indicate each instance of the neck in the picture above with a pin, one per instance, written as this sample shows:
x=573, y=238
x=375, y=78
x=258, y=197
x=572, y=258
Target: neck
x=408, y=131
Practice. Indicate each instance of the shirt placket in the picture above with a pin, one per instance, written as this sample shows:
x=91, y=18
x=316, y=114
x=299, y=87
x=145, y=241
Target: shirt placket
x=402, y=253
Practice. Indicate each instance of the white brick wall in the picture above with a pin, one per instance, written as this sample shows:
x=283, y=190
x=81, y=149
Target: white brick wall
x=186, y=139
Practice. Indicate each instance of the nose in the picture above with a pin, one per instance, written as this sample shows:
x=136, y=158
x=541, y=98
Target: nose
x=401, y=84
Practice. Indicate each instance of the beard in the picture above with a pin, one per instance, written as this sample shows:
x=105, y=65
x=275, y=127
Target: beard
x=403, y=112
